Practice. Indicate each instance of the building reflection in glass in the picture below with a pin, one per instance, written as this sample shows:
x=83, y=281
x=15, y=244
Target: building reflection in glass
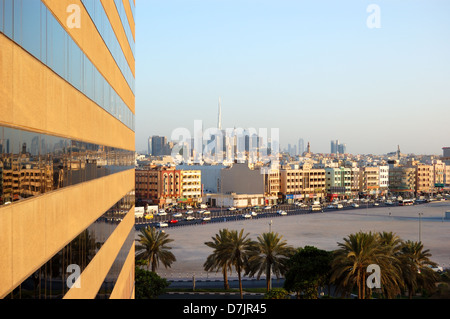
x=33, y=164
x=50, y=281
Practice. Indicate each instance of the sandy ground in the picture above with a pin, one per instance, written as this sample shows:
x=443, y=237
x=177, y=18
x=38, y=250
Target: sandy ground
x=323, y=231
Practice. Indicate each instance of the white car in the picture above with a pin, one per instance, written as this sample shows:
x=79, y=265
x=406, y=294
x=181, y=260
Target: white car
x=206, y=219
x=178, y=215
x=161, y=225
x=254, y=214
x=268, y=207
x=189, y=218
x=232, y=209
x=247, y=216
x=189, y=212
x=162, y=213
x=354, y=205
x=282, y=213
x=206, y=213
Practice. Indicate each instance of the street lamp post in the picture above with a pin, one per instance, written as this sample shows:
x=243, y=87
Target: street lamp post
x=420, y=227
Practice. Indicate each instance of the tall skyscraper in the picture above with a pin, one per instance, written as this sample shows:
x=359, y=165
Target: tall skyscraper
x=338, y=148
x=159, y=145
x=219, y=118
x=150, y=146
x=333, y=147
x=67, y=106
x=301, y=146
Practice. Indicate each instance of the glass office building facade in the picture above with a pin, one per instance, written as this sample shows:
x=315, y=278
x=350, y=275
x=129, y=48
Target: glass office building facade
x=67, y=123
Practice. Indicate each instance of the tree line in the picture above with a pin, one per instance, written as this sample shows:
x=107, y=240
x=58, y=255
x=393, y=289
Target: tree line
x=405, y=267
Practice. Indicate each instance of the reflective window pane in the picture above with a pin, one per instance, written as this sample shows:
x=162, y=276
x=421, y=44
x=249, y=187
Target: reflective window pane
x=8, y=18
x=1, y=14
x=32, y=164
x=31, y=25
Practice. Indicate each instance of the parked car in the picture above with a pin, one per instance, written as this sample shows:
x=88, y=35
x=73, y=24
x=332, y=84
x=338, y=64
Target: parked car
x=254, y=214
x=178, y=215
x=282, y=213
x=161, y=225
x=355, y=205
x=189, y=218
x=247, y=216
x=205, y=219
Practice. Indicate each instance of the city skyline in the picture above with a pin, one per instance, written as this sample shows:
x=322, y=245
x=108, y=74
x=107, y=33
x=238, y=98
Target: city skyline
x=315, y=71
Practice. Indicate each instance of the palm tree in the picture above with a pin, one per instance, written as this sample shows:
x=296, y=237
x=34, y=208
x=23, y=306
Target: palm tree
x=153, y=248
x=355, y=255
x=416, y=265
x=391, y=278
x=237, y=249
x=217, y=260
x=269, y=254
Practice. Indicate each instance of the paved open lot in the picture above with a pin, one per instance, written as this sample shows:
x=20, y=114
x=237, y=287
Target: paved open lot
x=319, y=230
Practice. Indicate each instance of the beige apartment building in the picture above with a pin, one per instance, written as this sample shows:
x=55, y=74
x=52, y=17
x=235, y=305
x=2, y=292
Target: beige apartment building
x=191, y=187
x=370, y=180
x=306, y=183
x=272, y=187
x=424, y=177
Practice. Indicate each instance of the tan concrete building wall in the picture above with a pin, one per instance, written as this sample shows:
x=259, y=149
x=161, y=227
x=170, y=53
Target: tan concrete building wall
x=35, y=98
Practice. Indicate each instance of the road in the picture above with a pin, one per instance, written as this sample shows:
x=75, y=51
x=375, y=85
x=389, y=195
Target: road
x=218, y=215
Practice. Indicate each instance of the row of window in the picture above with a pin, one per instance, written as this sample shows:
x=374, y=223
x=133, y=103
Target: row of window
x=32, y=26
x=99, y=17
x=50, y=281
x=126, y=24
x=32, y=164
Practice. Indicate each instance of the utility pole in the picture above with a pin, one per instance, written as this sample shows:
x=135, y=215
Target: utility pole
x=420, y=227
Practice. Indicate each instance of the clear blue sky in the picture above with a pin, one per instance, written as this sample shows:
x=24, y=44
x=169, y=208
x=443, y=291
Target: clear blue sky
x=311, y=68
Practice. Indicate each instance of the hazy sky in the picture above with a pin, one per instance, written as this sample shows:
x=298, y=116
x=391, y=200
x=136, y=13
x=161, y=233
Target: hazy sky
x=313, y=69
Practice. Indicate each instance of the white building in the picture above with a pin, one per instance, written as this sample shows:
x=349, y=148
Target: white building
x=384, y=177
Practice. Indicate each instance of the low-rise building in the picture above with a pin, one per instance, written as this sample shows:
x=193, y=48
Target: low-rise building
x=158, y=185
x=191, y=187
x=370, y=181
x=303, y=184
x=338, y=182
x=402, y=181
